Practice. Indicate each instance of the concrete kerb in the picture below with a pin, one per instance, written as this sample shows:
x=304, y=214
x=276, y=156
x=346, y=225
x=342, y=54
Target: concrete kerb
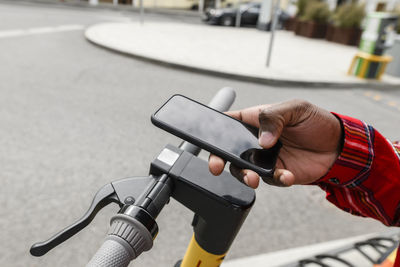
x=259, y=80
x=262, y=80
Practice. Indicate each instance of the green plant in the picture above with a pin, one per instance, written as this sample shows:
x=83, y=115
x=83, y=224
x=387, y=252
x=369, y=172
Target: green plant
x=349, y=15
x=301, y=7
x=317, y=11
x=397, y=12
x=398, y=25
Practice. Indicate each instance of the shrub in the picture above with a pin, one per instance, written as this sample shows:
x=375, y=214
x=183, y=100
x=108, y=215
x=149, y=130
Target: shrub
x=349, y=15
x=301, y=7
x=316, y=11
x=398, y=25
x=398, y=21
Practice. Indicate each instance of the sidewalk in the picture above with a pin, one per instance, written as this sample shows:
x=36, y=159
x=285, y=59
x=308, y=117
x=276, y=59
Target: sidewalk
x=238, y=53
x=290, y=257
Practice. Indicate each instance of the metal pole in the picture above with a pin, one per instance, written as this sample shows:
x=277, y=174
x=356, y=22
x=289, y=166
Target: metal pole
x=141, y=12
x=201, y=6
x=272, y=30
x=238, y=14
x=115, y=2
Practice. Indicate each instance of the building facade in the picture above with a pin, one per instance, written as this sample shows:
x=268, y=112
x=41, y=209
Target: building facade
x=371, y=5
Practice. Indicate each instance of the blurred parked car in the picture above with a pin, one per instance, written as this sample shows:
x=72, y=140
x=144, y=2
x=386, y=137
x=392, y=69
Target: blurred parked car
x=227, y=16
x=249, y=15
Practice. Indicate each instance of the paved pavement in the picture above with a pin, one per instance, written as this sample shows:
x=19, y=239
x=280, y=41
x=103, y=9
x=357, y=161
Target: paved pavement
x=235, y=52
x=75, y=117
x=290, y=257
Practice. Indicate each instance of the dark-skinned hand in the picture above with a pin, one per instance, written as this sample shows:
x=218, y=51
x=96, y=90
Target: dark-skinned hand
x=310, y=135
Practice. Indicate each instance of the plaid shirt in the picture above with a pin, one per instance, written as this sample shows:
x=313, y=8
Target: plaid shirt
x=365, y=179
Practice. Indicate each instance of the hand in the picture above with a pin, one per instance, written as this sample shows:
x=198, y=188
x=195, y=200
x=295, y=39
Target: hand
x=311, y=138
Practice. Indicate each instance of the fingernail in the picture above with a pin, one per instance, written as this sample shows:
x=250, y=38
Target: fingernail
x=282, y=179
x=265, y=139
x=246, y=179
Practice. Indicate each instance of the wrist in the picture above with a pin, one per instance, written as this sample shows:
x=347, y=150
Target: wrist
x=355, y=151
x=340, y=142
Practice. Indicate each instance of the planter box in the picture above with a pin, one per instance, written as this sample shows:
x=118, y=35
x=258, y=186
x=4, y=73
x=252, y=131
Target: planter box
x=330, y=31
x=347, y=36
x=311, y=29
x=290, y=24
x=299, y=27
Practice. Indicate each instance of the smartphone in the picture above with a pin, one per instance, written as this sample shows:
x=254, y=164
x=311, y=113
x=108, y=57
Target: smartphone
x=218, y=133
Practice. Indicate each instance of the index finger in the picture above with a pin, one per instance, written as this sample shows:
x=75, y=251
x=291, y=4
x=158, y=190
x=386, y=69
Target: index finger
x=216, y=164
x=248, y=115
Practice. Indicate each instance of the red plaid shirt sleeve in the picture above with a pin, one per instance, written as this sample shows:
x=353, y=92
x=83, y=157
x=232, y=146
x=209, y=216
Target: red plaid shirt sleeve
x=365, y=179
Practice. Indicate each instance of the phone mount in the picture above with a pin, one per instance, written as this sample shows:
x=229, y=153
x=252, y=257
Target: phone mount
x=220, y=204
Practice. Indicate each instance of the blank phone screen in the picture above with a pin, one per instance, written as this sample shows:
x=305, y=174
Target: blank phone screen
x=215, y=129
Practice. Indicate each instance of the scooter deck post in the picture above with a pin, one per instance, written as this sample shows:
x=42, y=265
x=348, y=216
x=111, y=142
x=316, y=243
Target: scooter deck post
x=220, y=203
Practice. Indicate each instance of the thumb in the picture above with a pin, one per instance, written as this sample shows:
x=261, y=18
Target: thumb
x=274, y=118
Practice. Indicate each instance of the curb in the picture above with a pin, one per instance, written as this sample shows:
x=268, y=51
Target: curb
x=66, y=3
x=253, y=79
x=194, y=14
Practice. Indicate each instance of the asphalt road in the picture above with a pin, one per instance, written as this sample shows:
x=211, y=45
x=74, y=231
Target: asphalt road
x=75, y=117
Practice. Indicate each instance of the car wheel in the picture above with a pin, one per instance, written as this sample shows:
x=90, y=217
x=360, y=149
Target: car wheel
x=227, y=21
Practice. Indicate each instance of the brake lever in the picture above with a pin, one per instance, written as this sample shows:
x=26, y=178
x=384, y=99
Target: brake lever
x=124, y=191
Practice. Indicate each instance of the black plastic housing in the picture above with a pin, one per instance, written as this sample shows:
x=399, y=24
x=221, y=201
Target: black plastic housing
x=220, y=203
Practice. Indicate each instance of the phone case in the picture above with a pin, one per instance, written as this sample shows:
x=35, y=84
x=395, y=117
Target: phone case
x=264, y=173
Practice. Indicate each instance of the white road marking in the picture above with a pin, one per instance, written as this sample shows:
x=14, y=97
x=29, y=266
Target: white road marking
x=11, y=33
x=41, y=30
